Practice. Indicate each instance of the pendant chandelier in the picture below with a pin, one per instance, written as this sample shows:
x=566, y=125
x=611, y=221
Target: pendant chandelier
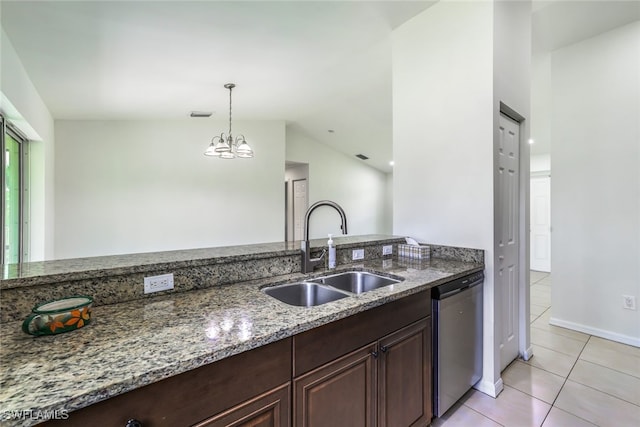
x=226, y=147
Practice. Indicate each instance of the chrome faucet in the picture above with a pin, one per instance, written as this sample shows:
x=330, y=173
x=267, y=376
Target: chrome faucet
x=309, y=263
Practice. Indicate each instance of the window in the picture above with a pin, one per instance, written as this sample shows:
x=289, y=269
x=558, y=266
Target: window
x=13, y=146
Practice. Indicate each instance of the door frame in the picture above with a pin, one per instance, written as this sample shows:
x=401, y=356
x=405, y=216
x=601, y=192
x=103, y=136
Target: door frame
x=6, y=128
x=491, y=382
x=293, y=172
x=295, y=206
x=525, y=349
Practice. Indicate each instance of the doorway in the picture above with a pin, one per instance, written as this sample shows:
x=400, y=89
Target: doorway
x=541, y=222
x=296, y=199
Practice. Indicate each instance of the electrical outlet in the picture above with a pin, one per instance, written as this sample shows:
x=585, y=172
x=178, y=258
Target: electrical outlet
x=629, y=302
x=387, y=250
x=158, y=283
x=358, y=254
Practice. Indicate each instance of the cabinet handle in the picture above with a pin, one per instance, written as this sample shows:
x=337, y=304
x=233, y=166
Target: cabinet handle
x=384, y=348
x=374, y=354
x=133, y=423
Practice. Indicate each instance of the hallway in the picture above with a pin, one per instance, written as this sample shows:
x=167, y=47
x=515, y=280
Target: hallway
x=573, y=380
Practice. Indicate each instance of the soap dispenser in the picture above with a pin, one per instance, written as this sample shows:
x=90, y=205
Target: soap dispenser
x=332, y=252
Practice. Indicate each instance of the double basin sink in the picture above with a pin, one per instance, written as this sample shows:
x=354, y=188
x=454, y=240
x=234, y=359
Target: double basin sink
x=324, y=289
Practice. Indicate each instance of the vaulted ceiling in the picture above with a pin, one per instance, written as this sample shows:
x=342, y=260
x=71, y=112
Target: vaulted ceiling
x=318, y=65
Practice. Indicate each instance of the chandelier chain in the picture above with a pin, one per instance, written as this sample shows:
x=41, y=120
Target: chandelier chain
x=230, y=89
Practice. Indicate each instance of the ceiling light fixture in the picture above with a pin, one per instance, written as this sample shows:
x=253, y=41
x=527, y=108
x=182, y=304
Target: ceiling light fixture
x=226, y=147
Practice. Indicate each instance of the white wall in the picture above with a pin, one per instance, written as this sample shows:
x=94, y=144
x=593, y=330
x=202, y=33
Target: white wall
x=596, y=184
x=359, y=189
x=388, y=204
x=512, y=87
x=23, y=106
x=443, y=125
x=140, y=186
x=445, y=116
x=540, y=103
x=443, y=135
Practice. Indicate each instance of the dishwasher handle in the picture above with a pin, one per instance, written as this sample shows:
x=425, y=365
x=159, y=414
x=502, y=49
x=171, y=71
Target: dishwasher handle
x=454, y=287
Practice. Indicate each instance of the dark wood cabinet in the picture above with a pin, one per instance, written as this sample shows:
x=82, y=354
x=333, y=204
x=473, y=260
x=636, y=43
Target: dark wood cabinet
x=385, y=383
x=270, y=409
x=339, y=393
x=187, y=399
x=372, y=369
x=404, y=377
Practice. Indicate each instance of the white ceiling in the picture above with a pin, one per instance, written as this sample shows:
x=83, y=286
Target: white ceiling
x=318, y=65
x=556, y=24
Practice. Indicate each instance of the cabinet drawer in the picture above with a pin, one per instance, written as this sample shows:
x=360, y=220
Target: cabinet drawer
x=271, y=409
x=325, y=343
x=193, y=396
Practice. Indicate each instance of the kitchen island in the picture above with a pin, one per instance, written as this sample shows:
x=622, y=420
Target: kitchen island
x=135, y=343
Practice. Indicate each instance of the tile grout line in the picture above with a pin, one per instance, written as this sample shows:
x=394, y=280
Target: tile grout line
x=553, y=405
x=602, y=391
x=533, y=397
x=571, y=370
x=530, y=326
x=561, y=336
x=609, y=367
x=483, y=415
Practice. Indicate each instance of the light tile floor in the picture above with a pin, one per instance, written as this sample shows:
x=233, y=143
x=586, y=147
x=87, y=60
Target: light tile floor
x=572, y=380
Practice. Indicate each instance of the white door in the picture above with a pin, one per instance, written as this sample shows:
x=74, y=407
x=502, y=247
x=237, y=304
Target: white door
x=299, y=207
x=507, y=244
x=541, y=223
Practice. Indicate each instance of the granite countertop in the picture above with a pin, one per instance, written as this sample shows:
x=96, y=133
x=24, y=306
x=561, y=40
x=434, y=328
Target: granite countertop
x=41, y=272
x=135, y=343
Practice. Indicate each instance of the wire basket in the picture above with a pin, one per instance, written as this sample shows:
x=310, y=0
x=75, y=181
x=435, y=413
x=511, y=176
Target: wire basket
x=413, y=251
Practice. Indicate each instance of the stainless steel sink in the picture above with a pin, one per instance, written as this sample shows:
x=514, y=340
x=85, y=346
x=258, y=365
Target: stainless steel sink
x=355, y=282
x=304, y=294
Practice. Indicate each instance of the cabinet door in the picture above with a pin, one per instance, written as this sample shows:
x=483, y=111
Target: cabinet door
x=339, y=393
x=404, y=377
x=270, y=409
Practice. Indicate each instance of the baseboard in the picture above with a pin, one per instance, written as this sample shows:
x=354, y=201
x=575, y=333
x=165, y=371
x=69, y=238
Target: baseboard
x=528, y=353
x=489, y=387
x=602, y=333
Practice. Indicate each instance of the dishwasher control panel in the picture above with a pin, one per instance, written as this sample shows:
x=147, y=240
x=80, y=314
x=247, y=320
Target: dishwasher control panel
x=457, y=285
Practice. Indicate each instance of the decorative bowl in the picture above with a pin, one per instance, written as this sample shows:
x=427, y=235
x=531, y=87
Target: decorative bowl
x=58, y=316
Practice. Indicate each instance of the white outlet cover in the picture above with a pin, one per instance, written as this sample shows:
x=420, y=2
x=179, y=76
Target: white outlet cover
x=358, y=254
x=629, y=302
x=387, y=250
x=159, y=283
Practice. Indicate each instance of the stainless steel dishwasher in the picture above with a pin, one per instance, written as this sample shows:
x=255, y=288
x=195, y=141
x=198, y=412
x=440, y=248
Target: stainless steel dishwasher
x=457, y=339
